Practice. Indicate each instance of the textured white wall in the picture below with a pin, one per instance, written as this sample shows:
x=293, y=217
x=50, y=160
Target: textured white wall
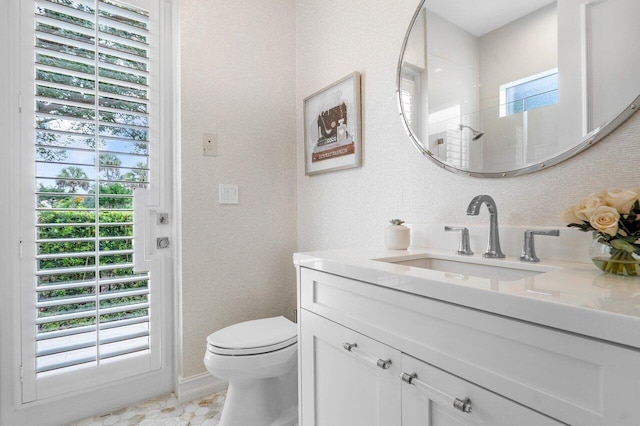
x=350, y=208
x=238, y=71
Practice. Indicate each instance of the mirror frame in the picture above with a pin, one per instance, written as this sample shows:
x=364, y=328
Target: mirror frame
x=588, y=140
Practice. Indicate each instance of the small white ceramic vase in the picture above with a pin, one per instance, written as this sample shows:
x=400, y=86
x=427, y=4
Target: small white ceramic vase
x=397, y=236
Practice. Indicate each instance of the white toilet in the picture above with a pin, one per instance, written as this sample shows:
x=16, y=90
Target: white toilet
x=259, y=360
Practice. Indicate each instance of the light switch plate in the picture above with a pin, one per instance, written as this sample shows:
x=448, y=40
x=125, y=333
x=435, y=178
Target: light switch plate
x=227, y=194
x=210, y=144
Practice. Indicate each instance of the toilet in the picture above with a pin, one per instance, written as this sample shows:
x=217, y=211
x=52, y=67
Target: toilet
x=259, y=360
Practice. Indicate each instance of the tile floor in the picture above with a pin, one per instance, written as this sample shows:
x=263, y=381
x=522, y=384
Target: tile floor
x=164, y=410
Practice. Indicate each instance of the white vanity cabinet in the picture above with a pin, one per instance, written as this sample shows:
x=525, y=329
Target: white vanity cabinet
x=355, y=379
x=513, y=372
x=358, y=381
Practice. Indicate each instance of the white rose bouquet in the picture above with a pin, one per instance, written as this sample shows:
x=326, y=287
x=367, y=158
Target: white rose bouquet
x=614, y=217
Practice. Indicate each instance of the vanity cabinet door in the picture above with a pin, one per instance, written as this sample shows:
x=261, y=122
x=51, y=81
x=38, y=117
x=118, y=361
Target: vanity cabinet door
x=433, y=397
x=346, y=378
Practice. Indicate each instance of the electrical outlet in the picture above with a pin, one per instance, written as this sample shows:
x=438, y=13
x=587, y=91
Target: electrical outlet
x=210, y=144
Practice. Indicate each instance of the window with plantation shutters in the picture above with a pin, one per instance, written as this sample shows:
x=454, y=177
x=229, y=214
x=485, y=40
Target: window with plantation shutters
x=92, y=146
x=407, y=98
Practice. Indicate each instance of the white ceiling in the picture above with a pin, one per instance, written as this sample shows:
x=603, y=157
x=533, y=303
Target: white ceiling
x=482, y=16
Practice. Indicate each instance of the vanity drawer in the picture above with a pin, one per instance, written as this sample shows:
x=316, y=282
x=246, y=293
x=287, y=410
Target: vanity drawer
x=428, y=395
x=568, y=377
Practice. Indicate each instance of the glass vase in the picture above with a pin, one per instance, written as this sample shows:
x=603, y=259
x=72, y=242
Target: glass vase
x=614, y=261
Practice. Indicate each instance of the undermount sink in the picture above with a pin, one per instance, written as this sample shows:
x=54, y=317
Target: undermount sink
x=502, y=270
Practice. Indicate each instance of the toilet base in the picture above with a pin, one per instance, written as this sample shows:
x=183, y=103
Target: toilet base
x=265, y=402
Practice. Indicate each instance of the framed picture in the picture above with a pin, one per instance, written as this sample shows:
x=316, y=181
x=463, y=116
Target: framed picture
x=332, y=128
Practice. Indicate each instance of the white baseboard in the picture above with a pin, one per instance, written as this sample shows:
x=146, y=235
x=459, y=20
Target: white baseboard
x=198, y=386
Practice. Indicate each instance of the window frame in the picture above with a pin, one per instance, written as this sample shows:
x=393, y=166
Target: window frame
x=503, y=88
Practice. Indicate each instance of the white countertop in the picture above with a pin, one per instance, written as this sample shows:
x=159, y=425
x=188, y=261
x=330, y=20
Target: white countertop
x=574, y=297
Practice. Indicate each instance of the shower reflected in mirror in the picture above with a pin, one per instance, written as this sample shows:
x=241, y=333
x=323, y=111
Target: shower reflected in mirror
x=476, y=134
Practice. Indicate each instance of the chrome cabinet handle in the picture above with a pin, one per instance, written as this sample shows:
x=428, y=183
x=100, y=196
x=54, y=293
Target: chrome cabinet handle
x=385, y=364
x=463, y=405
x=349, y=346
x=408, y=378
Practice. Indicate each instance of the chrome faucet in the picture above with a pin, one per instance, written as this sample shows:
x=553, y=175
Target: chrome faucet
x=493, y=248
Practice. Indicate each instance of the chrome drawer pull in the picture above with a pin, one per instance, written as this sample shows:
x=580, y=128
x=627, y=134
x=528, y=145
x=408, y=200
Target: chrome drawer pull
x=385, y=364
x=350, y=346
x=463, y=405
x=408, y=378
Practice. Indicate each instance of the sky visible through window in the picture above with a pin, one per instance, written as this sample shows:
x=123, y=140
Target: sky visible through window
x=535, y=93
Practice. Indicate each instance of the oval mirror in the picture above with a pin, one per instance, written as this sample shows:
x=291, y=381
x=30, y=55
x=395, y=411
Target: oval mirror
x=507, y=87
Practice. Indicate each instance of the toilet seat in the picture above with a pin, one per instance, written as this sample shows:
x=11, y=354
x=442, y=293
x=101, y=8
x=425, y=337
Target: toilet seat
x=251, y=351
x=253, y=337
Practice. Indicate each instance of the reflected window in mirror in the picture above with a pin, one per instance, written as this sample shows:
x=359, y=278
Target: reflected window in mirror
x=529, y=93
x=408, y=98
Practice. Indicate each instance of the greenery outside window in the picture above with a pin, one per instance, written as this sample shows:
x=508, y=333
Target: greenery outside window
x=91, y=152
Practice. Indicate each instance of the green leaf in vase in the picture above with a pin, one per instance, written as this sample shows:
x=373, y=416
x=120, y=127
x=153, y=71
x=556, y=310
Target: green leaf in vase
x=623, y=245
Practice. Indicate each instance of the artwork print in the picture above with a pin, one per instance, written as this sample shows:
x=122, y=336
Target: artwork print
x=332, y=127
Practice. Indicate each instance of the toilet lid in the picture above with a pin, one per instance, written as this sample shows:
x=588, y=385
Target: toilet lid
x=253, y=337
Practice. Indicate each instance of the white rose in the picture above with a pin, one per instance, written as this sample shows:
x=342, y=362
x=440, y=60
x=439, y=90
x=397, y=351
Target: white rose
x=605, y=219
x=569, y=215
x=621, y=199
x=585, y=207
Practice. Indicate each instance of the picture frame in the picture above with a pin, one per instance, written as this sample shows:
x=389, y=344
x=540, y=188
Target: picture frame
x=332, y=127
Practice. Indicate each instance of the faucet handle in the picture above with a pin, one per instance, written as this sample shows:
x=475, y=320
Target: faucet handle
x=529, y=248
x=464, y=247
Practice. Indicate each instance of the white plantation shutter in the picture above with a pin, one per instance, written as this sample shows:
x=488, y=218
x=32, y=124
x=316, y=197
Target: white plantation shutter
x=91, y=151
x=407, y=98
